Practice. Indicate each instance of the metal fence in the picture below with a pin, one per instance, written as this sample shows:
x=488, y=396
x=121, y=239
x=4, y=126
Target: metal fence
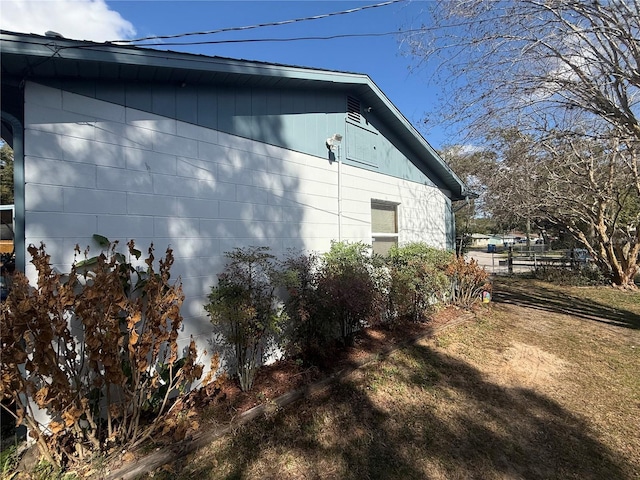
x=519, y=260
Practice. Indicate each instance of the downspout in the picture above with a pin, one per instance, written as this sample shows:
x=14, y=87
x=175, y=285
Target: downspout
x=468, y=196
x=466, y=202
x=339, y=196
x=333, y=144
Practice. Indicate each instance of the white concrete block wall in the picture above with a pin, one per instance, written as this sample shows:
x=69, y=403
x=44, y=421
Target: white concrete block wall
x=94, y=167
x=424, y=213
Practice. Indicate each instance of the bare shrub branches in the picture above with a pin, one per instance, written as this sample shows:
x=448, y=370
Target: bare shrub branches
x=95, y=349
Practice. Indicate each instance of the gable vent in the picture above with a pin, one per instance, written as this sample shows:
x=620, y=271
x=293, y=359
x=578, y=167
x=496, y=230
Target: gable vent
x=353, y=109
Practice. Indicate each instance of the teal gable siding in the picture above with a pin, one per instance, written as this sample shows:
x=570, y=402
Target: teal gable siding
x=362, y=145
x=187, y=107
x=376, y=149
x=136, y=96
x=299, y=120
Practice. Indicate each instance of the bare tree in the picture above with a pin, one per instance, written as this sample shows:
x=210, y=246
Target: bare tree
x=471, y=166
x=513, y=185
x=587, y=190
x=566, y=73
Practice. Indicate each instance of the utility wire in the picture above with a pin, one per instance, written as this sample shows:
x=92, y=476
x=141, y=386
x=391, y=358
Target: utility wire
x=291, y=39
x=250, y=27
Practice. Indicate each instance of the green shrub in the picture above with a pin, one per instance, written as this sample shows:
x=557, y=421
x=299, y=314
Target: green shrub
x=380, y=274
x=307, y=331
x=347, y=293
x=8, y=461
x=87, y=348
x=244, y=304
x=418, y=279
x=582, y=276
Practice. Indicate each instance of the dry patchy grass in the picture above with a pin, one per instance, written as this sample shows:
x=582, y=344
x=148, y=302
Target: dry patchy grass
x=542, y=385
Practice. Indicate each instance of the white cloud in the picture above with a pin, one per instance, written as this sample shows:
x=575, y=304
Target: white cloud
x=77, y=19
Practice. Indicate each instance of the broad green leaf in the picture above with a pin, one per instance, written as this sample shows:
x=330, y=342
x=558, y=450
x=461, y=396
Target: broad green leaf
x=87, y=262
x=101, y=240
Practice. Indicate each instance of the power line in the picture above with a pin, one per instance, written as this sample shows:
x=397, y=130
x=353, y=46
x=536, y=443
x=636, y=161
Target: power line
x=291, y=39
x=250, y=27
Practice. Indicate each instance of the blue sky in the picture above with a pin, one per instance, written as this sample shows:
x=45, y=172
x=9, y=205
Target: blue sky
x=379, y=57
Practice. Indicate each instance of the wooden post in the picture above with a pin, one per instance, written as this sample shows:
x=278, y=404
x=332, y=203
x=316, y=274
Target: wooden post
x=510, y=260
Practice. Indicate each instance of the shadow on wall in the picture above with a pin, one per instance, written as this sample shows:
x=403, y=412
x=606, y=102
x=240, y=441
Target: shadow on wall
x=430, y=216
x=95, y=167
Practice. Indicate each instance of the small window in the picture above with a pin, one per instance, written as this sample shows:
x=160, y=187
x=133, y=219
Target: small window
x=384, y=226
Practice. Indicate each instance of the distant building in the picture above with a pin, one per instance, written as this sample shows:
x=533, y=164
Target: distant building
x=479, y=240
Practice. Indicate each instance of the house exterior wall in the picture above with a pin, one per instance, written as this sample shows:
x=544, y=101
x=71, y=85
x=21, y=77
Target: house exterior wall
x=298, y=120
x=92, y=166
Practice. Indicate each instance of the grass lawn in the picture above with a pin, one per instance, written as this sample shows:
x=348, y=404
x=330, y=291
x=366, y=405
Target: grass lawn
x=544, y=384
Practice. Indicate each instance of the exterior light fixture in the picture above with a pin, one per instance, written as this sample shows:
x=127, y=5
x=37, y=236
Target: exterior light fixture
x=333, y=141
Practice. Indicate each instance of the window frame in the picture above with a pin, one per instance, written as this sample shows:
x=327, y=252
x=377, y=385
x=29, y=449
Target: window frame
x=385, y=235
